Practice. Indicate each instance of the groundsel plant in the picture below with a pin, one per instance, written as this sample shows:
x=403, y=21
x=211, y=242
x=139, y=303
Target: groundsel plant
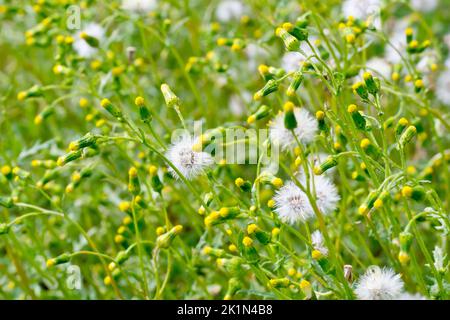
x=224, y=149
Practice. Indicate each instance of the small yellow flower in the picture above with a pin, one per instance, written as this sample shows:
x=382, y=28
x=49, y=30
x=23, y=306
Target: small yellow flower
x=378, y=203
x=411, y=170
x=127, y=220
x=350, y=38
x=275, y=232
x=160, y=231
x=107, y=281
x=251, y=228
x=239, y=182
x=352, y=108
x=6, y=170
x=124, y=206
x=112, y=266
x=247, y=241
x=418, y=83
x=251, y=119
x=407, y=191
x=305, y=284
x=365, y=143
x=292, y=272
x=362, y=210
x=403, y=257
x=395, y=76
x=320, y=115
x=139, y=101
x=201, y=211
x=316, y=254
x=288, y=106
x=277, y=182
x=413, y=44
x=50, y=263
x=119, y=238
x=271, y=203
x=83, y=103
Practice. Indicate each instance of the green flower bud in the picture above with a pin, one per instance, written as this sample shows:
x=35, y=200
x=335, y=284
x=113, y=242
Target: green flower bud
x=133, y=181
x=261, y=113
x=406, y=136
x=34, y=92
x=361, y=89
x=154, y=180
x=169, y=97
x=213, y=252
x=290, y=122
x=279, y=283
x=372, y=84
x=405, y=239
x=290, y=42
x=401, y=125
x=368, y=203
x=245, y=186
x=65, y=257
x=122, y=256
x=269, y=87
x=90, y=40
x=144, y=113
x=166, y=239
x=297, y=80
x=329, y=163
x=358, y=119
x=112, y=109
x=44, y=114
x=87, y=140
x=69, y=157
x=234, y=285
x=299, y=33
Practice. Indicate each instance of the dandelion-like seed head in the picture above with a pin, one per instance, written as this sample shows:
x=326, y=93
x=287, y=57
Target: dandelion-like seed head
x=305, y=131
x=190, y=163
x=379, y=284
x=443, y=87
x=327, y=196
x=228, y=10
x=139, y=6
x=292, y=204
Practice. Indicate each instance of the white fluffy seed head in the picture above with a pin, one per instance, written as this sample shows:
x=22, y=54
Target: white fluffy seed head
x=306, y=129
x=424, y=5
x=189, y=162
x=292, y=204
x=443, y=87
x=362, y=9
x=410, y=296
x=327, y=196
x=228, y=10
x=139, y=6
x=379, y=284
x=82, y=47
